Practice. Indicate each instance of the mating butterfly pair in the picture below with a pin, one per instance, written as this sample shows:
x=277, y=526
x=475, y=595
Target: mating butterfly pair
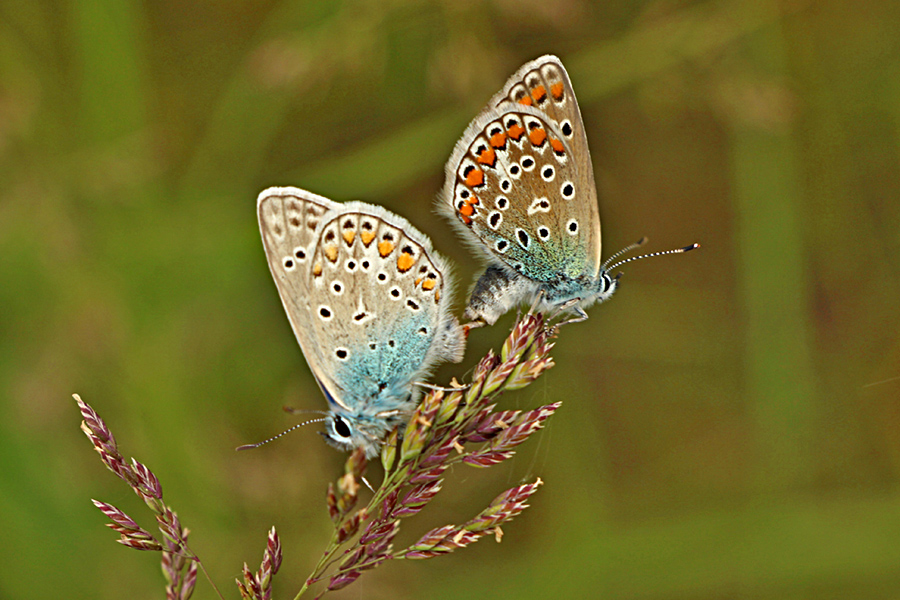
x=367, y=296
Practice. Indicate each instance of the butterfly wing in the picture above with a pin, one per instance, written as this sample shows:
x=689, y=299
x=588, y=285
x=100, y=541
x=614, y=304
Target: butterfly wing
x=288, y=220
x=520, y=188
x=378, y=312
x=513, y=185
x=544, y=84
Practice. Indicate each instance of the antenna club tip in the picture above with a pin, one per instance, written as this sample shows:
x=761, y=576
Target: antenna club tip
x=693, y=246
x=245, y=447
x=642, y=241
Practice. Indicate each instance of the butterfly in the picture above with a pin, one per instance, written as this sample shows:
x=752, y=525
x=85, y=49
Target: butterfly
x=520, y=189
x=368, y=300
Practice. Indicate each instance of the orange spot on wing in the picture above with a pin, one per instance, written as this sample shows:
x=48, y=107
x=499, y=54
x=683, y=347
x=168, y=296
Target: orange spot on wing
x=317, y=269
x=466, y=210
x=366, y=237
x=466, y=220
x=348, y=235
x=475, y=177
x=526, y=100
x=385, y=247
x=331, y=252
x=557, y=146
x=473, y=200
x=539, y=93
x=498, y=140
x=557, y=90
x=537, y=136
x=488, y=157
x=405, y=262
x=516, y=131
x=428, y=284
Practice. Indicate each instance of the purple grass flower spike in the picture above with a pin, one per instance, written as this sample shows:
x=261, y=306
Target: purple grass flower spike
x=258, y=586
x=459, y=426
x=451, y=427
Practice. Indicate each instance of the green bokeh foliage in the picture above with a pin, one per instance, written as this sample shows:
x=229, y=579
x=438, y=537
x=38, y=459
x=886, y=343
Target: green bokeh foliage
x=730, y=426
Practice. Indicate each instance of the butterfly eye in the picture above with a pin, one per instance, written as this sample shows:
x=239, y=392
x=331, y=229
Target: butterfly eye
x=341, y=428
x=605, y=282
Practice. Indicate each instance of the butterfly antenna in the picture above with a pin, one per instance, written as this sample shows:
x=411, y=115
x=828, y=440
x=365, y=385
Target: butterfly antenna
x=283, y=433
x=624, y=250
x=303, y=411
x=661, y=253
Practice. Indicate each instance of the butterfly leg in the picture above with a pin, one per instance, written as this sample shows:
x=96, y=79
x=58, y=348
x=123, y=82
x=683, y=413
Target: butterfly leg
x=538, y=299
x=467, y=327
x=580, y=315
x=454, y=386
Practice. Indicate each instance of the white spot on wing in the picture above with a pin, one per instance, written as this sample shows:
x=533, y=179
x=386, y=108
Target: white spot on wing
x=539, y=205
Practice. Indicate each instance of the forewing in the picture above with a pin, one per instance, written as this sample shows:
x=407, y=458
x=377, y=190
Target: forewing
x=545, y=85
x=515, y=187
x=379, y=314
x=288, y=219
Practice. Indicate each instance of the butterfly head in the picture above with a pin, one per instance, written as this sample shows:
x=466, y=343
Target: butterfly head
x=606, y=285
x=576, y=294
x=344, y=433
x=347, y=432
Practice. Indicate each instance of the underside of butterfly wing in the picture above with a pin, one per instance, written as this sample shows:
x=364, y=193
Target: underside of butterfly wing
x=379, y=314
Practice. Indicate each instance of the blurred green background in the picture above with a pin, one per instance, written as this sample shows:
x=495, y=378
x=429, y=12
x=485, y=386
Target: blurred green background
x=731, y=418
